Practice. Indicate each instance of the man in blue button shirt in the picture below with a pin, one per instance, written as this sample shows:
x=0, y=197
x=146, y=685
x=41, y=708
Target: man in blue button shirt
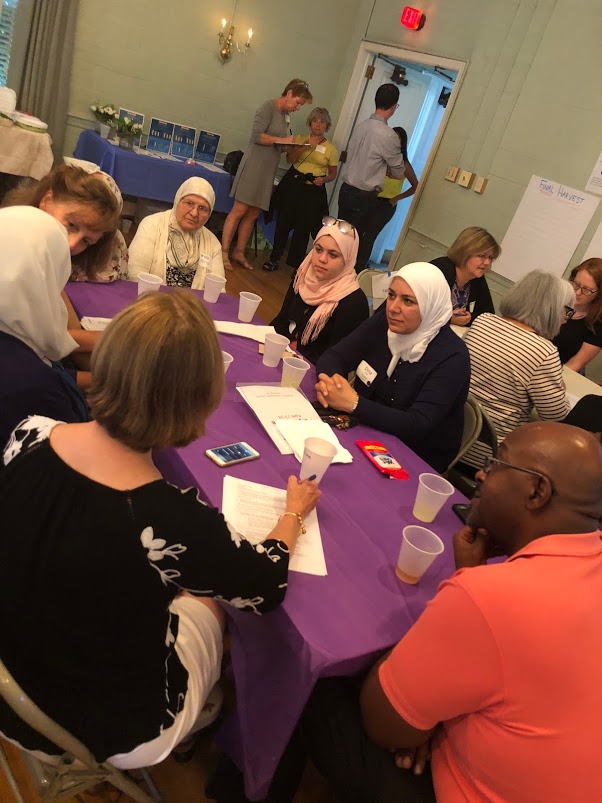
x=373, y=149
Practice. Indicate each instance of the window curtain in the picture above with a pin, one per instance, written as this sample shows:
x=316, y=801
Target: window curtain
x=46, y=79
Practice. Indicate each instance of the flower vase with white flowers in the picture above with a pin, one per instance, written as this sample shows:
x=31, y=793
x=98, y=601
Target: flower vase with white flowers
x=128, y=130
x=106, y=114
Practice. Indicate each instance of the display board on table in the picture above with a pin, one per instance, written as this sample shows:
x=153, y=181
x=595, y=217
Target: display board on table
x=183, y=142
x=160, y=136
x=594, y=182
x=206, y=148
x=546, y=229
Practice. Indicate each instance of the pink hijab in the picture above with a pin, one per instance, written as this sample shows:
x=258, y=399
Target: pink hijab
x=325, y=296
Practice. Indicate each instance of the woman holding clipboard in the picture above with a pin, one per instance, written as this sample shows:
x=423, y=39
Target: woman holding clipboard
x=252, y=188
x=300, y=198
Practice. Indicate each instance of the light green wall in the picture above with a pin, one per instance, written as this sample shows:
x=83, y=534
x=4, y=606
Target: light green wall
x=161, y=59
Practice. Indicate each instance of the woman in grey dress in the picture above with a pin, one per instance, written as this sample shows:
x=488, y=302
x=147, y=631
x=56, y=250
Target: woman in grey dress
x=252, y=188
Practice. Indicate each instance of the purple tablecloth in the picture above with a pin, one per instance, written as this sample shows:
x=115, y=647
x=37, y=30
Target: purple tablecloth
x=147, y=177
x=334, y=625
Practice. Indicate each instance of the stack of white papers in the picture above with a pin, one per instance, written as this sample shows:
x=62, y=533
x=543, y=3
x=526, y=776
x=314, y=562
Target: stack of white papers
x=95, y=324
x=249, y=330
x=253, y=511
x=295, y=432
x=272, y=403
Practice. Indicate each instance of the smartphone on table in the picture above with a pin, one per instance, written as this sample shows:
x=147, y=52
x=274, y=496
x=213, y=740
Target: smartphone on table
x=233, y=453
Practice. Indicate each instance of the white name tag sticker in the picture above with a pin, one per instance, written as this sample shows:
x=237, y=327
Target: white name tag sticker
x=366, y=373
x=287, y=117
x=204, y=260
x=320, y=149
x=471, y=307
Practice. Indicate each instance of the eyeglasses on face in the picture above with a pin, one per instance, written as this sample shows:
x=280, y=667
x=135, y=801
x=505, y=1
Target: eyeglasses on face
x=490, y=462
x=569, y=312
x=486, y=257
x=587, y=291
x=190, y=206
x=342, y=225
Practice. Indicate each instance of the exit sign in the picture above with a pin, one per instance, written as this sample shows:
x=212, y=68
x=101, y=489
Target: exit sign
x=412, y=18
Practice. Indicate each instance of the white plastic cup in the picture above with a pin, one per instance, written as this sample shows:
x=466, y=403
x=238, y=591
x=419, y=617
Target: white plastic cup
x=293, y=371
x=228, y=359
x=147, y=283
x=433, y=492
x=273, y=349
x=247, y=306
x=318, y=454
x=213, y=287
x=419, y=548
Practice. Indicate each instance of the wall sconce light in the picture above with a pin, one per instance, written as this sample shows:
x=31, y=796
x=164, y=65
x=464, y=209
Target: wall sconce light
x=227, y=41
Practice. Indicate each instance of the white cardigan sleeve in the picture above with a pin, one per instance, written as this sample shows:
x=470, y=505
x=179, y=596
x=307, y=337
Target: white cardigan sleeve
x=143, y=246
x=211, y=248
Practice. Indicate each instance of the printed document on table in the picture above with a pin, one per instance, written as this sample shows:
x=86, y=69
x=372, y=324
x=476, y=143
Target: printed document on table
x=253, y=511
x=272, y=403
x=249, y=330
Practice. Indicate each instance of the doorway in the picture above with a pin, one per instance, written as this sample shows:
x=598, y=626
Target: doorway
x=428, y=88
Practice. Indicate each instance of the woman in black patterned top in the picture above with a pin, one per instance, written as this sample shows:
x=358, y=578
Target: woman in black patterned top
x=110, y=574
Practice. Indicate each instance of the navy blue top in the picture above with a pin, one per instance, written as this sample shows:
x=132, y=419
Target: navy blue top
x=422, y=403
x=30, y=387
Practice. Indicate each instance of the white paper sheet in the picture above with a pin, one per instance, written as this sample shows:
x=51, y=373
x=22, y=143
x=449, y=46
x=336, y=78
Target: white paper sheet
x=95, y=324
x=253, y=511
x=271, y=403
x=249, y=330
x=546, y=229
x=295, y=433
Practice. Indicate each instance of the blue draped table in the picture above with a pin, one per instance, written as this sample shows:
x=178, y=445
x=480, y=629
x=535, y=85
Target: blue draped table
x=146, y=176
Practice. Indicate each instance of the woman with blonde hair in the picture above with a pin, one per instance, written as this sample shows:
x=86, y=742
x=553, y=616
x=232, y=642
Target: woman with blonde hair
x=254, y=182
x=120, y=639
x=175, y=244
x=580, y=338
x=468, y=259
x=300, y=198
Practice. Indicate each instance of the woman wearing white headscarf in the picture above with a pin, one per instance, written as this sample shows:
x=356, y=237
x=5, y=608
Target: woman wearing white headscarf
x=175, y=244
x=324, y=302
x=36, y=265
x=412, y=371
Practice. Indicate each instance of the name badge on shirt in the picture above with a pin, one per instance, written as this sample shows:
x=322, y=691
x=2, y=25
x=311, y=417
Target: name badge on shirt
x=205, y=262
x=287, y=117
x=320, y=149
x=471, y=307
x=366, y=373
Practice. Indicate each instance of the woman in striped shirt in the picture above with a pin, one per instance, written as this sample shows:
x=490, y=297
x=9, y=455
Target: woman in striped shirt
x=515, y=367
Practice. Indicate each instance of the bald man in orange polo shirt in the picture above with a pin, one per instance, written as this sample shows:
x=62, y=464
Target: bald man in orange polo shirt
x=500, y=676
x=502, y=670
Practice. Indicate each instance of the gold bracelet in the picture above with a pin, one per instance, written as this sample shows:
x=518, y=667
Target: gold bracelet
x=299, y=519
x=357, y=401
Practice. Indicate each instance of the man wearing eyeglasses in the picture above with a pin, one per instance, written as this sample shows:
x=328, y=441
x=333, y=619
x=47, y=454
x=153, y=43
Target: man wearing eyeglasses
x=501, y=673
x=373, y=148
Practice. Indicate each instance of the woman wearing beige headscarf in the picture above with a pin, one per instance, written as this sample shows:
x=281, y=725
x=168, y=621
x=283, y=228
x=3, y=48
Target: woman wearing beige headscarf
x=175, y=244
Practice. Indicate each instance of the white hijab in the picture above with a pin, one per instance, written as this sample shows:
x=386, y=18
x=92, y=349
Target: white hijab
x=184, y=247
x=431, y=289
x=36, y=265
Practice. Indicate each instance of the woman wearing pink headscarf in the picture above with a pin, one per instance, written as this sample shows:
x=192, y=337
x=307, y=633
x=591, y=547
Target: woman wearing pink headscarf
x=324, y=302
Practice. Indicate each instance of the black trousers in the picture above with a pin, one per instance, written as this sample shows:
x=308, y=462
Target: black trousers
x=331, y=734
x=365, y=211
x=301, y=207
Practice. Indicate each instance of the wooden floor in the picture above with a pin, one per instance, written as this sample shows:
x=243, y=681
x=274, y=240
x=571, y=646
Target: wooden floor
x=185, y=783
